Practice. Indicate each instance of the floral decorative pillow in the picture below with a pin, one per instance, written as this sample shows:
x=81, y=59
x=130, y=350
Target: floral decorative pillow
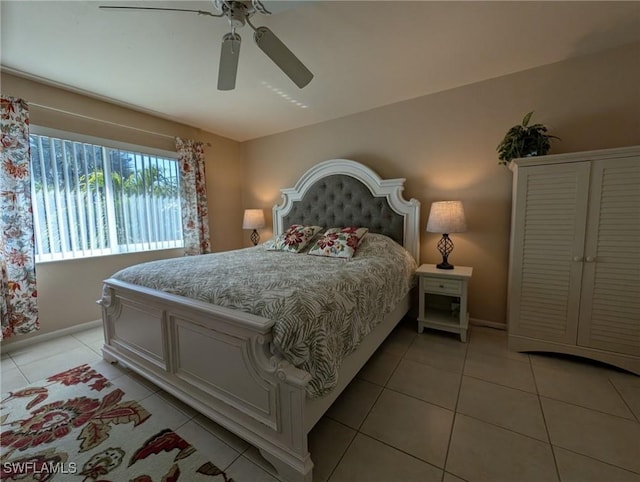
x=295, y=238
x=339, y=242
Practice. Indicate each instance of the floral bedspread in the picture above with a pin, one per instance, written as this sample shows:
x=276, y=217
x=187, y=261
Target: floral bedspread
x=322, y=306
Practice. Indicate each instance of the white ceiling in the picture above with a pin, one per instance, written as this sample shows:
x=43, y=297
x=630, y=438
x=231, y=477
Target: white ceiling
x=364, y=54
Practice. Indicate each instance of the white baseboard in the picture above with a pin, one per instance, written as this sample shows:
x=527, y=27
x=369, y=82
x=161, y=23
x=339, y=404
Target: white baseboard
x=32, y=340
x=15, y=345
x=489, y=324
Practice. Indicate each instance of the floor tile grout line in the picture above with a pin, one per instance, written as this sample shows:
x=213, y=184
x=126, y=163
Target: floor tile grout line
x=37, y=347
x=455, y=409
x=532, y=365
x=431, y=366
x=445, y=472
x=544, y=419
x=24, y=375
x=443, y=345
x=172, y=404
x=12, y=360
x=192, y=419
x=31, y=362
x=596, y=459
x=404, y=352
x=493, y=355
x=555, y=399
x=508, y=429
x=398, y=449
x=337, y=464
x=395, y=368
x=85, y=343
x=632, y=420
x=502, y=385
x=395, y=390
x=235, y=459
x=94, y=351
x=121, y=370
x=624, y=400
x=357, y=430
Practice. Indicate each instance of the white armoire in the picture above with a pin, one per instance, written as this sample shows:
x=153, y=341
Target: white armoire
x=574, y=274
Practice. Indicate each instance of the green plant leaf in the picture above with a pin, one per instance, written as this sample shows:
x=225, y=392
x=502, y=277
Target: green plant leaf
x=524, y=140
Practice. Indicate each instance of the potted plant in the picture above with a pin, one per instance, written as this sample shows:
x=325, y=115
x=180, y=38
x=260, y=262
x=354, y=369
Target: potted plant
x=524, y=141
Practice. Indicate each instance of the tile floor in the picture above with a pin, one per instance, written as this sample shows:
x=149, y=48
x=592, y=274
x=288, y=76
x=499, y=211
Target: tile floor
x=425, y=408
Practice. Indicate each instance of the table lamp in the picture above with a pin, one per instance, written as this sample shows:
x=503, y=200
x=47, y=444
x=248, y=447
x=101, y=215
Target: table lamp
x=446, y=217
x=253, y=219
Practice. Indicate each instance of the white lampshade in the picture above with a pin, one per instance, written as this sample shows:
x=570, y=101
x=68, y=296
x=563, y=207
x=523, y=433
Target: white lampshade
x=253, y=219
x=446, y=217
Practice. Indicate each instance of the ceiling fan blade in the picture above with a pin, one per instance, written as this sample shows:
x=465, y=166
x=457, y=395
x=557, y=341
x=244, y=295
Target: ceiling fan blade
x=282, y=56
x=229, y=54
x=199, y=12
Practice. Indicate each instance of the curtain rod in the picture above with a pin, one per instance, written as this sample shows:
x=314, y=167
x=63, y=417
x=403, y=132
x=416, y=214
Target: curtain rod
x=159, y=134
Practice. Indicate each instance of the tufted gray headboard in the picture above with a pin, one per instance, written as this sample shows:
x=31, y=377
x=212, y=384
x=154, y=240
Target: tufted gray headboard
x=341, y=200
x=341, y=192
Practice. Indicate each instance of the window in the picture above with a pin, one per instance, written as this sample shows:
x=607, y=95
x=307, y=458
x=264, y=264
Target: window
x=91, y=200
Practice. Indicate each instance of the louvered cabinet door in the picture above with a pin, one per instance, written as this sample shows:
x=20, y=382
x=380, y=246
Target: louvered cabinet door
x=610, y=309
x=548, y=244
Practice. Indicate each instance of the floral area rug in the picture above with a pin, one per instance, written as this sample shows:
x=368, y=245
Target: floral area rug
x=76, y=426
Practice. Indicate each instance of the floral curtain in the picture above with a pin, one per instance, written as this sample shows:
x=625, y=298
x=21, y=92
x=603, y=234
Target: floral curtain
x=18, y=308
x=195, y=216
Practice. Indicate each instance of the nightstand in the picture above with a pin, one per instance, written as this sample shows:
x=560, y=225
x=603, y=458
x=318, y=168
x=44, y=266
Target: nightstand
x=443, y=299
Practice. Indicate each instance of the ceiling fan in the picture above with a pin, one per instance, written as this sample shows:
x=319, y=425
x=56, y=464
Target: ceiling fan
x=238, y=13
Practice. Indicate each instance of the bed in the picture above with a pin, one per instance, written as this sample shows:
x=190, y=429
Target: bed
x=264, y=395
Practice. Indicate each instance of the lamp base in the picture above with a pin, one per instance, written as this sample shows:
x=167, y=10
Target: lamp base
x=444, y=265
x=255, y=237
x=445, y=246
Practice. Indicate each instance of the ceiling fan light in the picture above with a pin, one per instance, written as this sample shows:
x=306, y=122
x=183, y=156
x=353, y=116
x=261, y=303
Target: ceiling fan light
x=228, y=68
x=280, y=54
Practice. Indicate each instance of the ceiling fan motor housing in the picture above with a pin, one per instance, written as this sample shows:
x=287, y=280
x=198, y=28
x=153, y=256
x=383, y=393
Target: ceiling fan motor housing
x=236, y=13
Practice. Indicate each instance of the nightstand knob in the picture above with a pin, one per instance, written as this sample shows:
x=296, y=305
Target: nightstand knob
x=590, y=259
x=577, y=258
x=441, y=286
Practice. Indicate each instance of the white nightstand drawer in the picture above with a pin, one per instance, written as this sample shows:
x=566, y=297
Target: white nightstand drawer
x=442, y=286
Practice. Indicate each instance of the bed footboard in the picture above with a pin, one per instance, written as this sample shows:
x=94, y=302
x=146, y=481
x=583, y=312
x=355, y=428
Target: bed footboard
x=216, y=360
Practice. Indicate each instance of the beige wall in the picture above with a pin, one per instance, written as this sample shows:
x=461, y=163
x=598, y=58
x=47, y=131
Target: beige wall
x=444, y=144
x=67, y=290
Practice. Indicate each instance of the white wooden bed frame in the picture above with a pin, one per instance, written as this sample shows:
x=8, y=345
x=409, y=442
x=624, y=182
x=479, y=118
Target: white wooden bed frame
x=175, y=342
